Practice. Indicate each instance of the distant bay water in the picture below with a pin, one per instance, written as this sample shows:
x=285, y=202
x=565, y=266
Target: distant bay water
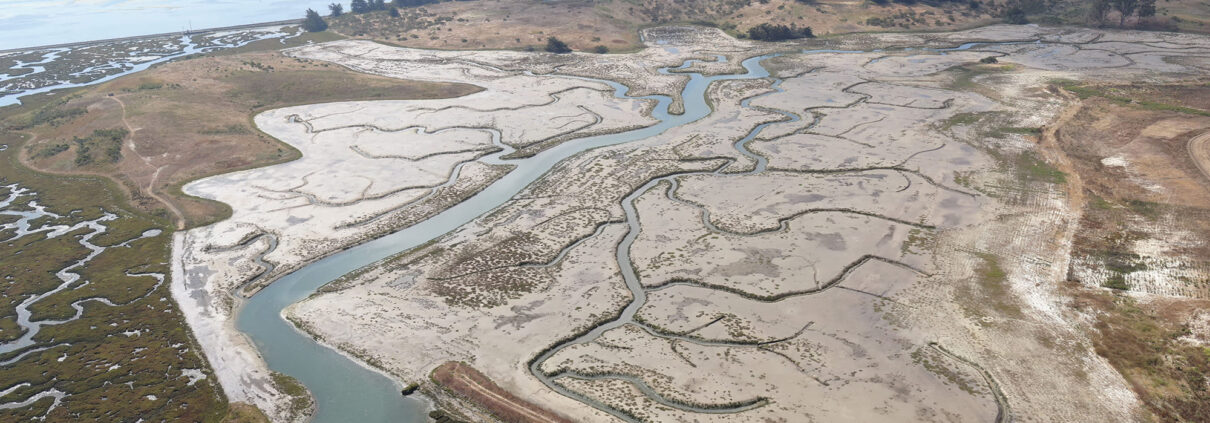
x=28, y=23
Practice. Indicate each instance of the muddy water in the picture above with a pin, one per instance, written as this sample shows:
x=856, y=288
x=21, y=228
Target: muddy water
x=345, y=390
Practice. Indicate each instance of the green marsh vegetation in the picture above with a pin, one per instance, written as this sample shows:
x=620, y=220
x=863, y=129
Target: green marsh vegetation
x=114, y=363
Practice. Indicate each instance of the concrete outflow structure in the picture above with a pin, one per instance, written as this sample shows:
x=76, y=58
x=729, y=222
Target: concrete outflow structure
x=809, y=250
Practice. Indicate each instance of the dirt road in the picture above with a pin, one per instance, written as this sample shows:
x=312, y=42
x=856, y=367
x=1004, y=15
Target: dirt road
x=475, y=386
x=130, y=145
x=1199, y=150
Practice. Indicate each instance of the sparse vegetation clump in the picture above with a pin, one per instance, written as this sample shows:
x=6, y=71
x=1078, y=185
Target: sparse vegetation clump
x=555, y=45
x=53, y=114
x=232, y=129
x=440, y=416
x=300, y=398
x=1016, y=16
x=1035, y=169
x=1131, y=97
x=1143, y=341
x=51, y=150
x=108, y=140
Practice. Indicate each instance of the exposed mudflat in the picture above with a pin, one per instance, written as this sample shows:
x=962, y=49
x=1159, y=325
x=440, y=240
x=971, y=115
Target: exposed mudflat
x=837, y=241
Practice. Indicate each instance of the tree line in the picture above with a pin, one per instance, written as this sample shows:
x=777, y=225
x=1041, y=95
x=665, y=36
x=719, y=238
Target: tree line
x=316, y=23
x=367, y=6
x=1099, y=10
x=770, y=32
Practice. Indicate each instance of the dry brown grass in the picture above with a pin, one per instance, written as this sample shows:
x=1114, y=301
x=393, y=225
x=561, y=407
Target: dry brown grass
x=1187, y=15
x=1153, y=141
x=239, y=412
x=1141, y=339
x=192, y=118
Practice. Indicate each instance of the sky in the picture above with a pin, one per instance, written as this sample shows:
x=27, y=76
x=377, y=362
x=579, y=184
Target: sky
x=28, y=23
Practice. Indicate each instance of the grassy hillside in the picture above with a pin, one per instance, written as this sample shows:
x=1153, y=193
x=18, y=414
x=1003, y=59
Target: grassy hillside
x=584, y=25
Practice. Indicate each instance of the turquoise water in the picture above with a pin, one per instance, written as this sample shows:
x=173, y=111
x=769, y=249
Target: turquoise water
x=347, y=392
x=28, y=23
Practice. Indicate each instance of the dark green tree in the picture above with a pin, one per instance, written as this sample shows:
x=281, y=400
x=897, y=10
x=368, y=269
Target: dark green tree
x=1098, y=10
x=336, y=9
x=555, y=45
x=1146, y=9
x=1126, y=8
x=313, y=22
x=413, y=3
x=393, y=12
x=359, y=6
x=1016, y=16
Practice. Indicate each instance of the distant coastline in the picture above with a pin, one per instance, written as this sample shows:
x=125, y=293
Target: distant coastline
x=148, y=36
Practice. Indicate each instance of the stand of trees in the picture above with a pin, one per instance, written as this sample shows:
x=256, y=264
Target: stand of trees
x=313, y=22
x=363, y=6
x=1098, y=10
x=770, y=32
x=367, y=6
